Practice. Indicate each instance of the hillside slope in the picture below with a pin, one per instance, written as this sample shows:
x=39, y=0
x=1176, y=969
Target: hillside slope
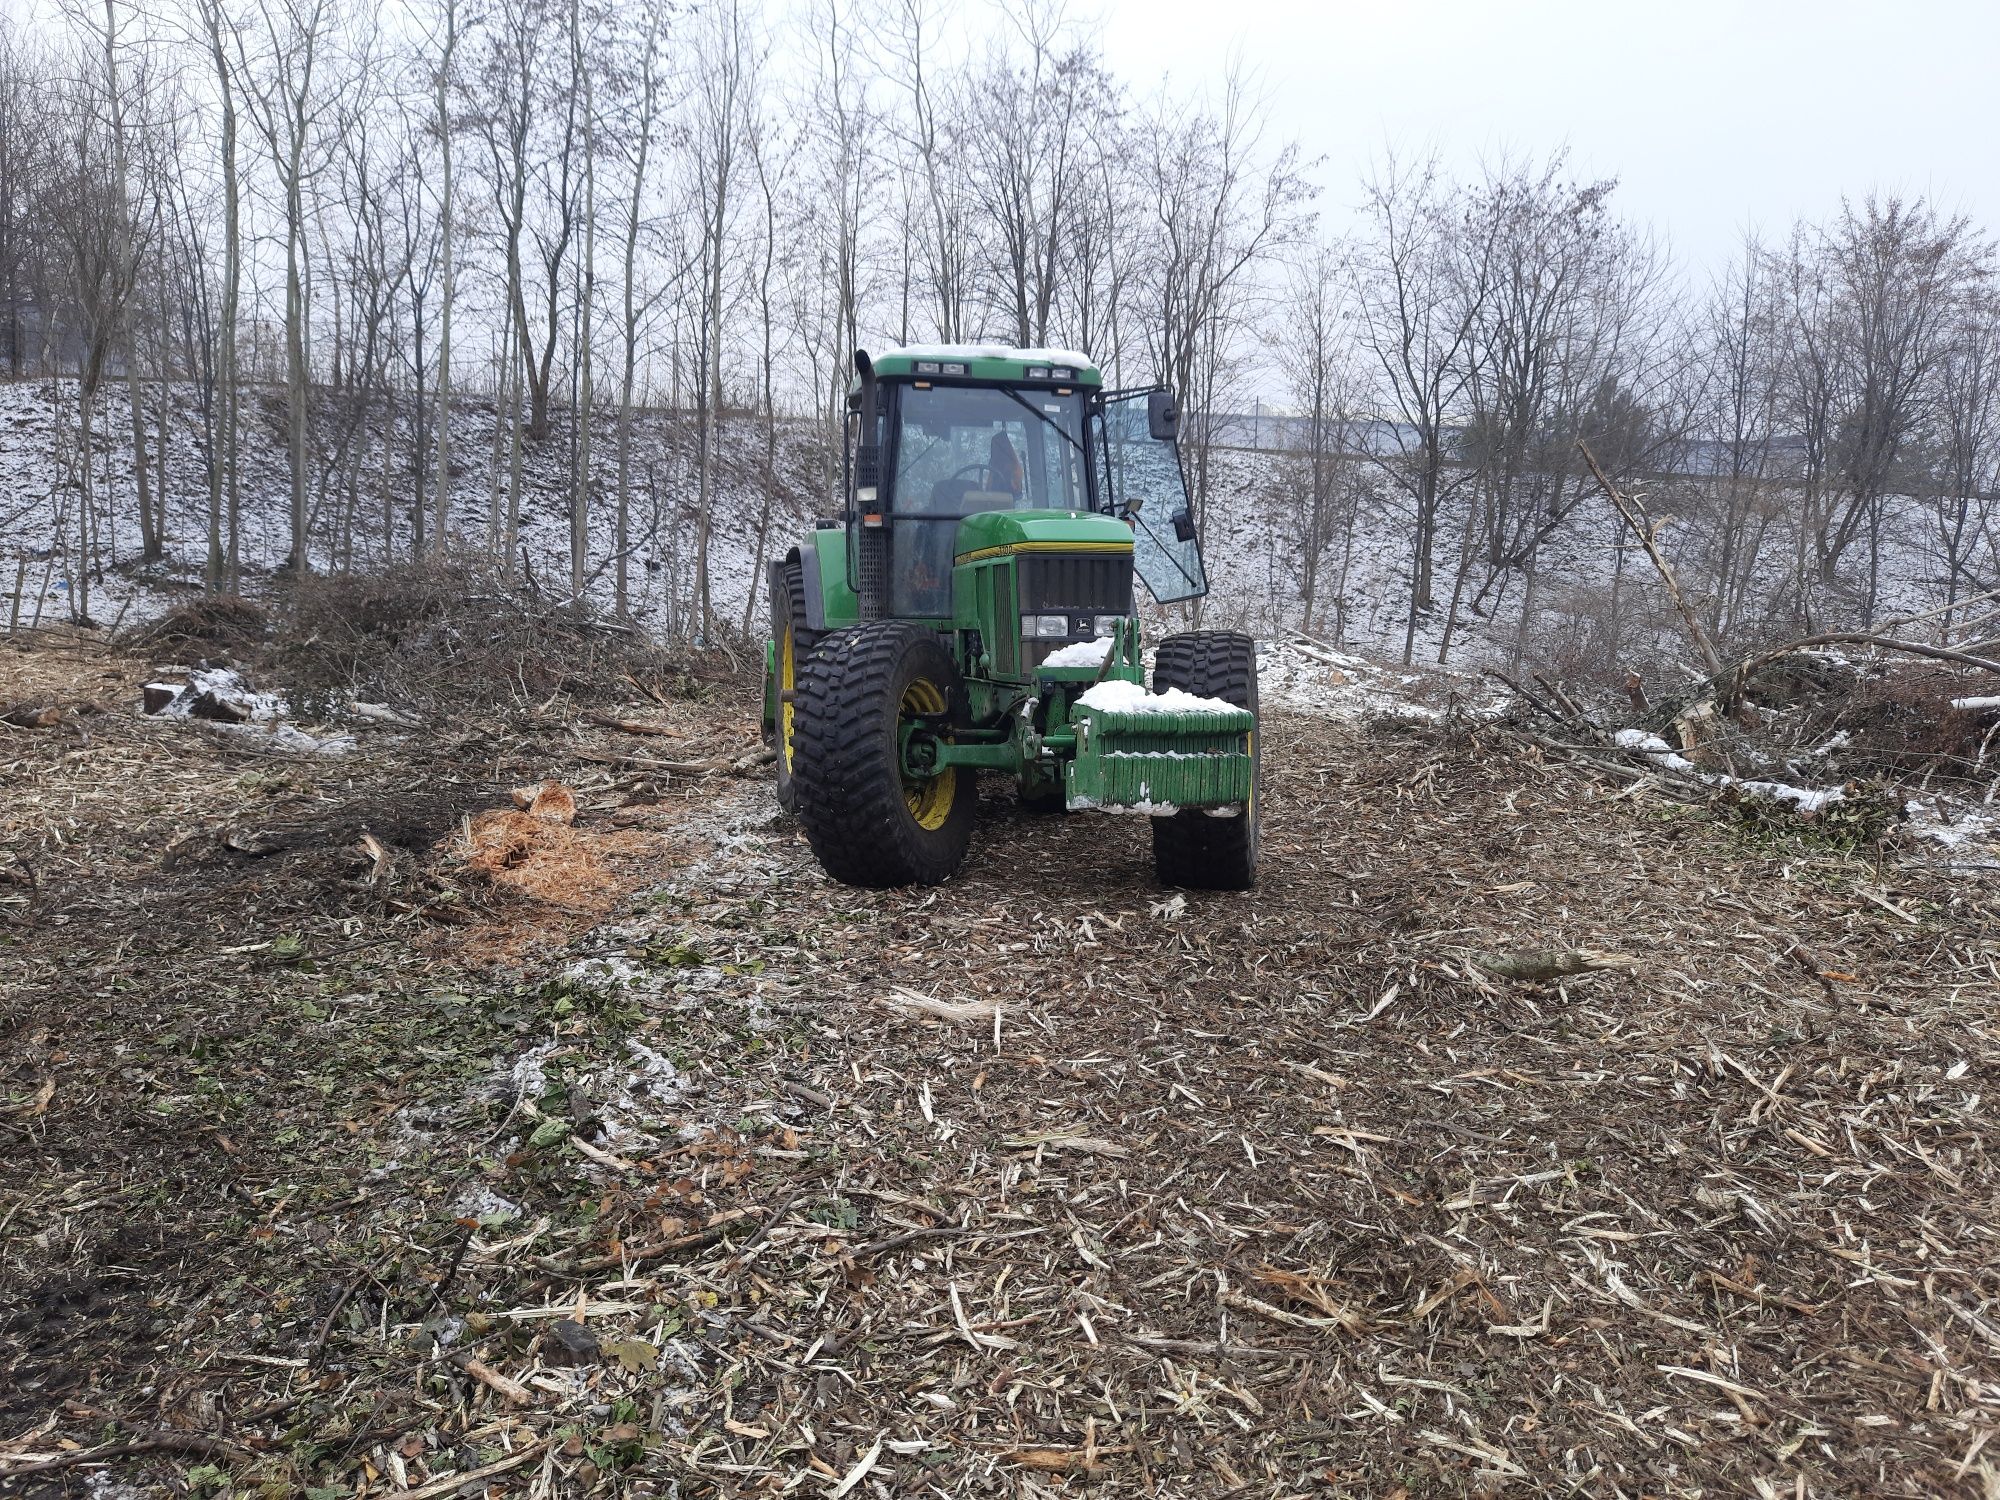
x=1596, y=607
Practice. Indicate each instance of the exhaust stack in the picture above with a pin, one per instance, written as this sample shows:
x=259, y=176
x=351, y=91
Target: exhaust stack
x=871, y=515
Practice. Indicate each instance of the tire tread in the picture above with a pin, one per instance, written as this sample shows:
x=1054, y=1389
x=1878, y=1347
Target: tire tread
x=849, y=795
x=1192, y=849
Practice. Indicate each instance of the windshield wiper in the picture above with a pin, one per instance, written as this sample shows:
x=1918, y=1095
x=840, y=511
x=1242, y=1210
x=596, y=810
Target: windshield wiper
x=1029, y=407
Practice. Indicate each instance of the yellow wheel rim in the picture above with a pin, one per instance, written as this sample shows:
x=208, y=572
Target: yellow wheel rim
x=787, y=680
x=930, y=799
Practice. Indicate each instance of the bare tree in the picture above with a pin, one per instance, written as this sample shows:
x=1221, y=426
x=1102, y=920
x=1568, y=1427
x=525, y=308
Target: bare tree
x=1965, y=491
x=291, y=94
x=1316, y=355
x=447, y=230
x=1419, y=291
x=21, y=157
x=638, y=128
x=940, y=235
x=508, y=114
x=1738, y=349
x=772, y=164
x=1896, y=272
x=727, y=66
x=1221, y=207
x=583, y=360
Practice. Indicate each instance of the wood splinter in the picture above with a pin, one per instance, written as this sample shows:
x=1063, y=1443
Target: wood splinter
x=1535, y=967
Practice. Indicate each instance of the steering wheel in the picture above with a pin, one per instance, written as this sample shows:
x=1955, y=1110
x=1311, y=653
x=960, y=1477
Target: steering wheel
x=972, y=470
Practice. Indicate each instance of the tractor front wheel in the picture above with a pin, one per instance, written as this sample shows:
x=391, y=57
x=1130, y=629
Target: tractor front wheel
x=871, y=818
x=1195, y=849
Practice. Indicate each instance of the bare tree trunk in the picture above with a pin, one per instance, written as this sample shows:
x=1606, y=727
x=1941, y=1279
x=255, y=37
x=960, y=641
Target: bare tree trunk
x=579, y=530
x=495, y=462
x=79, y=600
x=225, y=561
x=163, y=369
x=295, y=367
x=446, y=285
x=648, y=107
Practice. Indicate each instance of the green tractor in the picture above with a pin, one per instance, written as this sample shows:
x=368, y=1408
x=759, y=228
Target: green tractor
x=972, y=610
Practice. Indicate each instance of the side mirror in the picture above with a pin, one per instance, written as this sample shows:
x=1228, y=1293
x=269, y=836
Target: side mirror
x=1183, y=526
x=1163, y=417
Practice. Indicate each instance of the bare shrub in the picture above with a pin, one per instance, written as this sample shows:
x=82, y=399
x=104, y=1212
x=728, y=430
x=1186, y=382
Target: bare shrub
x=1891, y=721
x=1585, y=638
x=222, y=622
x=449, y=639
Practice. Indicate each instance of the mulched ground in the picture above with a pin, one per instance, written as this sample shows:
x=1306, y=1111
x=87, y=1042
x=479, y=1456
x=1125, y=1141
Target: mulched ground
x=1042, y=1182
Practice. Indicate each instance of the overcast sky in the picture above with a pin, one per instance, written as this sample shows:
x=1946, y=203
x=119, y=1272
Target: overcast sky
x=1715, y=115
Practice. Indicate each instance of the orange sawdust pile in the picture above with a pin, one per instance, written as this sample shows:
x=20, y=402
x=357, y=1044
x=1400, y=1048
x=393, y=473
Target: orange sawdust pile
x=568, y=877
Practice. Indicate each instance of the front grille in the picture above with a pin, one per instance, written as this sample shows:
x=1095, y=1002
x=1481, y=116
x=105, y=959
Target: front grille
x=1080, y=582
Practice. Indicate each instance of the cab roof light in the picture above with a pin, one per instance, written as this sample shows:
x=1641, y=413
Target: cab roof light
x=1038, y=372
x=1060, y=373
x=953, y=368
x=927, y=367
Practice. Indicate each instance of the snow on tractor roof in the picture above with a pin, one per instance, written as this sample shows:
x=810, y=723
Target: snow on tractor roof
x=992, y=361
x=994, y=351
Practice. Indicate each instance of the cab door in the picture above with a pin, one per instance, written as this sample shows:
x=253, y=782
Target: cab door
x=1144, y=480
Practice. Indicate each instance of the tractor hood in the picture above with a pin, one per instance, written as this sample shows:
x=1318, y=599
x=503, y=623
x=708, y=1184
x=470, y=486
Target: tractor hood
x=995, y=533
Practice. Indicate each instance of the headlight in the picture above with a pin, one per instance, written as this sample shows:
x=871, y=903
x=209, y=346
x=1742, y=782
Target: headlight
x=1106, y=626
x=1045, y=627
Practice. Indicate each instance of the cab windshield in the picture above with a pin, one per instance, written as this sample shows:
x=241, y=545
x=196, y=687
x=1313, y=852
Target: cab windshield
x=964, y=449
x=960, y=450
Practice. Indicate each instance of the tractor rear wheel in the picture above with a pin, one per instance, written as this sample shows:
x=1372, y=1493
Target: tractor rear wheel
x=794, y=643
x=1195, y=849
x=872, y=821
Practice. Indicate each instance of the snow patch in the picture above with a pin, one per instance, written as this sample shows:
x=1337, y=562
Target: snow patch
x=482, y=1202
x=635, y=1095
x=1132, y=698
x=290, y=739
x=1663, y=755
x=1145, y=807
x=529, y=1073
x=1974, y=705
x=1954, y=826
x=1319, y=680
x=226, y=688
x=1079, y=654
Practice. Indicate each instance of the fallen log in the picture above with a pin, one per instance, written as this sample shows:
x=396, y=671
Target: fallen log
x=734, y=764
x=1739, y=676
x=633, y=726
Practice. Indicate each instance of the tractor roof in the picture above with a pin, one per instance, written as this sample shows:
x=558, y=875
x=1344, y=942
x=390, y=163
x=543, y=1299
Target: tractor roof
x=989, y=362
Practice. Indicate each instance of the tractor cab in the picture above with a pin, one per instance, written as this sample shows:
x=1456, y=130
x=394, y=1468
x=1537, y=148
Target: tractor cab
x=972, y=610
x=963, y=431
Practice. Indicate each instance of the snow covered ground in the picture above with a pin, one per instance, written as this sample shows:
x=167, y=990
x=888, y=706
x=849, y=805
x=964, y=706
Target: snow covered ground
x=1252, y=551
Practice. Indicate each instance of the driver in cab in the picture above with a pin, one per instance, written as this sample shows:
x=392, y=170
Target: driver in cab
x=1003, y=468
